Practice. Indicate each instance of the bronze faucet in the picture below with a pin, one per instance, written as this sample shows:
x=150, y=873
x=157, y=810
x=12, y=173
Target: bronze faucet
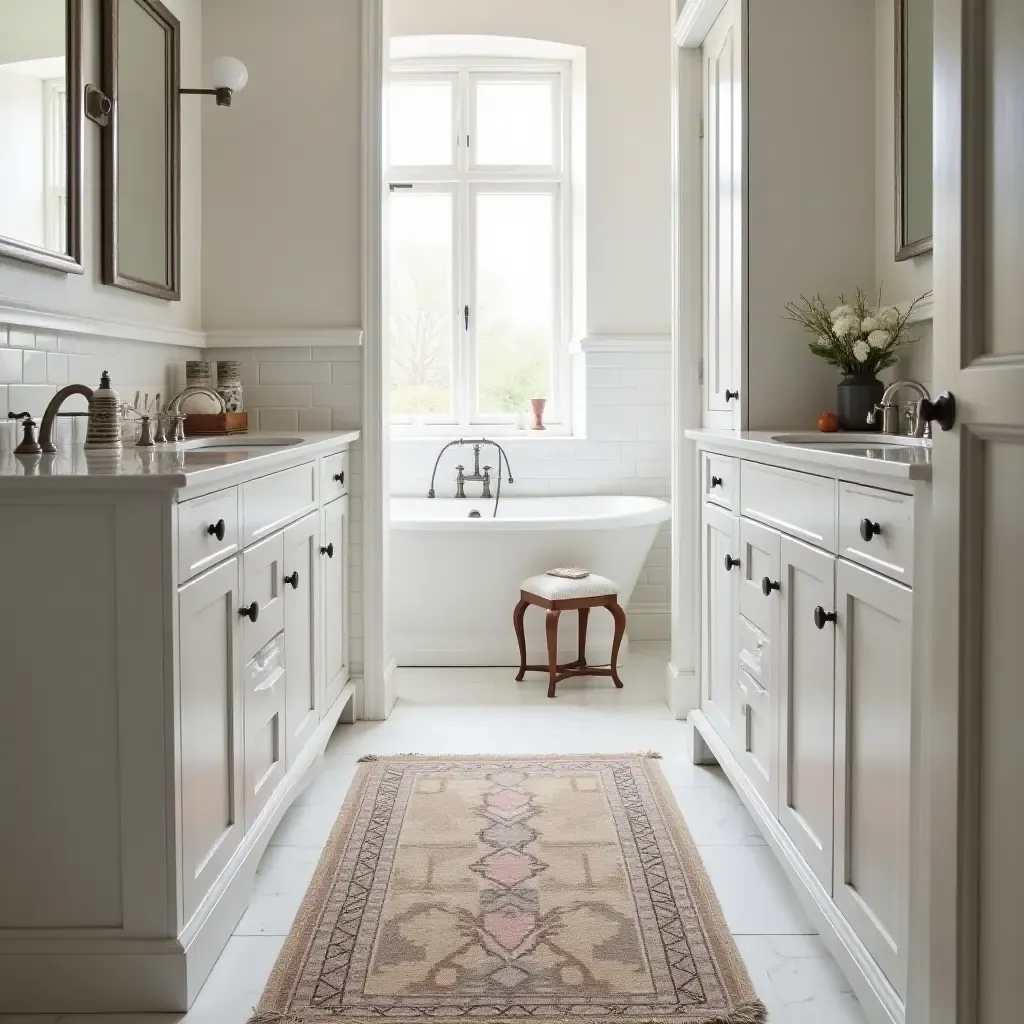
x=46, y=428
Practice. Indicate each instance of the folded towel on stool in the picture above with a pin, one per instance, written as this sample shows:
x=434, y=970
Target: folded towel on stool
x=569, y=573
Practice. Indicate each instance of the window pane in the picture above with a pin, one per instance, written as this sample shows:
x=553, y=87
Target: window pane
x=514, y=123
x=421, y=124
x=422, y=303
x=515, y=299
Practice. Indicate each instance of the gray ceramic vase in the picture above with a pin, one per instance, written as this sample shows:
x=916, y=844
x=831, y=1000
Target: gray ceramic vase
x=856, y=396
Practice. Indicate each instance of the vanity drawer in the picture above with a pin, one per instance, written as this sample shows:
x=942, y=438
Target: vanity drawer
x=889, y=549
x=273, y=501
x=333, y=477
x=264, y=710
x=720, y=475
x=799, y=504
x=263, y=574
x=207, y=531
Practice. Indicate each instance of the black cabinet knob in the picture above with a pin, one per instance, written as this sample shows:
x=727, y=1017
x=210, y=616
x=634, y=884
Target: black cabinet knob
x=716, y=481
x=941, y=411
x=328, y=551
x=339, y=478
x=252, y=613
x=767, y=586
x=217, y=529
x=821, y=617
x=731, y=563
x=869, y=529
x=730, y=395
x=293, y=580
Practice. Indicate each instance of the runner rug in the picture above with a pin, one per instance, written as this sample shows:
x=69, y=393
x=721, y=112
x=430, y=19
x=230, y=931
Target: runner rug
x=503, y=888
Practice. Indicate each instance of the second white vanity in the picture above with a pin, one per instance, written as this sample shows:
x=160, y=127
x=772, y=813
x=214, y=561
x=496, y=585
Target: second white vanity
x=174, y=651
x=814, y=673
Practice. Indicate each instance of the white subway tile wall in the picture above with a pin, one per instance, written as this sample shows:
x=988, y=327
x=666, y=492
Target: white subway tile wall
x=626, y=449
x=312, y=389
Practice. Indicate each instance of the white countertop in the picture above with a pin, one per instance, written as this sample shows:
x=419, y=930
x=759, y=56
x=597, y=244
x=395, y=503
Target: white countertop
x=861, y=453
x=167, y=467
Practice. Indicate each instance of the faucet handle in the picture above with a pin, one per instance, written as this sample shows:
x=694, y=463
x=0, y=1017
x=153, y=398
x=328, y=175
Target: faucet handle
x=29, y=445
x=872, y=417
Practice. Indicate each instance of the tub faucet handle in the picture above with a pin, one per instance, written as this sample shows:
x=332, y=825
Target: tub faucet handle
x=460, y=482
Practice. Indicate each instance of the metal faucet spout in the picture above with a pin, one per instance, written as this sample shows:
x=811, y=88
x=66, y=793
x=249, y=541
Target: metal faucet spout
x=46, y=428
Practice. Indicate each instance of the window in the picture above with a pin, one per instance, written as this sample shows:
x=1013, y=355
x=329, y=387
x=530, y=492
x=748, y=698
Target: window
x=55, y=168
x=479, y=240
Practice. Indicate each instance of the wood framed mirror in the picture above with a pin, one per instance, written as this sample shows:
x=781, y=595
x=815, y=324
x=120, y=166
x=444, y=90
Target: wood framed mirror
x=142, y=148
x=41, y=133
x=914, y=63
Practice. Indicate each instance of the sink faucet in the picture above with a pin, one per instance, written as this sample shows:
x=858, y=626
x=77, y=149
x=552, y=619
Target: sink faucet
x=890, y=409
x=177, y=417
x=46, y=428
x=483, y=477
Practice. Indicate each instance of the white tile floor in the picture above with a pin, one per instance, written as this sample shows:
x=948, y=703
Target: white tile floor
x=485, y=711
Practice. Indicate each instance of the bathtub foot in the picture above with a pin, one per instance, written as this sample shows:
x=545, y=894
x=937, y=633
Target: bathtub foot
x=620, y=629
x=517, y=620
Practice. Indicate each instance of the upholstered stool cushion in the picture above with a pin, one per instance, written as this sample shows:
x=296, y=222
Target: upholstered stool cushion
x=557, y=588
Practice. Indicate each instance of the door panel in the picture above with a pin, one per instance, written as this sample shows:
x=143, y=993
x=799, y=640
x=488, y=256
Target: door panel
x=334, y=537
x=210, y=653
x=807, y=704
x=724, y=280
x=301, y=625
x=872, y=763
x=975, y=906
x=718, y=613
x=262, y=586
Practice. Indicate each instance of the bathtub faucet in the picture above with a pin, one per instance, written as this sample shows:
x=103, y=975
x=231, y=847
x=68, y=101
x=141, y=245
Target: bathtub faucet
x=483, y=477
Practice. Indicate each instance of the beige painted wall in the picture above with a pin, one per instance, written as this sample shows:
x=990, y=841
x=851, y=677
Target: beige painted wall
x=281, y=167
x=628, y=136
x=84, y=294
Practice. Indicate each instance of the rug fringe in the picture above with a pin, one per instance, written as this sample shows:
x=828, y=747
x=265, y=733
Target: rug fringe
x=652, y=755
x=748, y=1013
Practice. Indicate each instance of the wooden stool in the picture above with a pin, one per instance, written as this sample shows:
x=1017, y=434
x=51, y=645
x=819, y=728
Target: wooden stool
x=559, y=595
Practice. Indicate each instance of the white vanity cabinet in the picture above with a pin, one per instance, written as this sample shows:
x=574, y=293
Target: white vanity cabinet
x=180, y=629
x=807, y=667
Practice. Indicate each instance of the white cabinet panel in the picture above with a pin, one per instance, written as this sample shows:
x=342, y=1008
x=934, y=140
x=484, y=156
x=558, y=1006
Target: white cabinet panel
x=334, y=477
x=876, y=529
x=807, y=703
x=275, y=500
x=872, y=763
x=210, y=653
x=721, y=479
x=262, y=594
x=301, y=627
x=264, y=699
x=719, y=586
x=207, y=531
x=796, y=503
x=334, y=563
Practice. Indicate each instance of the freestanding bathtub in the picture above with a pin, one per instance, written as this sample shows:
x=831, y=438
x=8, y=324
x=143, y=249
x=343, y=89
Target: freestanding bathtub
x=455, y=579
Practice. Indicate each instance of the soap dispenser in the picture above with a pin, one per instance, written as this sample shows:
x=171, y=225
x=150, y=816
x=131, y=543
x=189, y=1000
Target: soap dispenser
x=104, y=430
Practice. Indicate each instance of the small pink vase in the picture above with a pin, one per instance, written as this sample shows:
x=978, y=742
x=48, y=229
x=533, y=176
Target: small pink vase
x=538, y=404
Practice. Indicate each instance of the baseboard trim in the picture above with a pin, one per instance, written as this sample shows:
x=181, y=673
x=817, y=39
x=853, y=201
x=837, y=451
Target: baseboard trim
x=880, y=1000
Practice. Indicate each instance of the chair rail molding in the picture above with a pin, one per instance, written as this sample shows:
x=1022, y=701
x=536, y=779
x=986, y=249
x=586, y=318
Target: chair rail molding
x=18, y=314
x=284, y=337
x=695, y=21
x=624, y=343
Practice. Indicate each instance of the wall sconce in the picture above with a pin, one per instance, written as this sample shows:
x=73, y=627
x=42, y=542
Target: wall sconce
x=228, y=75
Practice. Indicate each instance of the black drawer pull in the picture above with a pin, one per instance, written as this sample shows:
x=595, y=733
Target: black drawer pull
x=217, y=529
x=328, y=551
x=716, y=481
x=339, y=478
x=869, y=529
x=767, y=586
x=252, y=613
x=821, y=617
x=731, y=563
x=293, y=580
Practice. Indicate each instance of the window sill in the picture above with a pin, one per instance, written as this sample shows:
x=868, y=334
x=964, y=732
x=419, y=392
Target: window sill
x=512, y=437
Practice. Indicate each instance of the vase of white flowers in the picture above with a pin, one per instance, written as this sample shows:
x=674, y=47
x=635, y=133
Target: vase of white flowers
x=859, y=339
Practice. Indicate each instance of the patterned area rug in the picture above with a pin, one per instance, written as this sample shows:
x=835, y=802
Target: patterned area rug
x=502, y=888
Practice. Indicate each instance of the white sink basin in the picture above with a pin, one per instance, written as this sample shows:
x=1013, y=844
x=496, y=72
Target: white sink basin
x=239, y=442
x=852, y=440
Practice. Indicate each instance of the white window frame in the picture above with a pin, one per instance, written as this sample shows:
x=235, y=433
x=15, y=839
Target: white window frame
x=55, y=185
x=465, y=180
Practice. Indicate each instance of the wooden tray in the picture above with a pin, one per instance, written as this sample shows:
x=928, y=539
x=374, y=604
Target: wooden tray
x=202, y=424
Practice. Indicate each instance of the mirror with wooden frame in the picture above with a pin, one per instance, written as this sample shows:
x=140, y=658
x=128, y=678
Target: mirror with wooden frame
x=914, y=60
x=141, y=153
x=41, y=133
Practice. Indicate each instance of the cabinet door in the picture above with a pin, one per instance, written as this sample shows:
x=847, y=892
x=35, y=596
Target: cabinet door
x=210, y=672
x=718, y=615
x=723, y=199
x=262, y=594
x=755, y=711
x=872, y=763
x=301, y=628
x=334, y=563
x=807, y=703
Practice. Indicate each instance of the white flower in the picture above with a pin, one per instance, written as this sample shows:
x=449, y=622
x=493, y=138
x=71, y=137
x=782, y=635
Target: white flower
x=889, y=316
x=869, y=324
x=861, y=351
x=845, y=326
x=878, y=339
x=840, y=312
